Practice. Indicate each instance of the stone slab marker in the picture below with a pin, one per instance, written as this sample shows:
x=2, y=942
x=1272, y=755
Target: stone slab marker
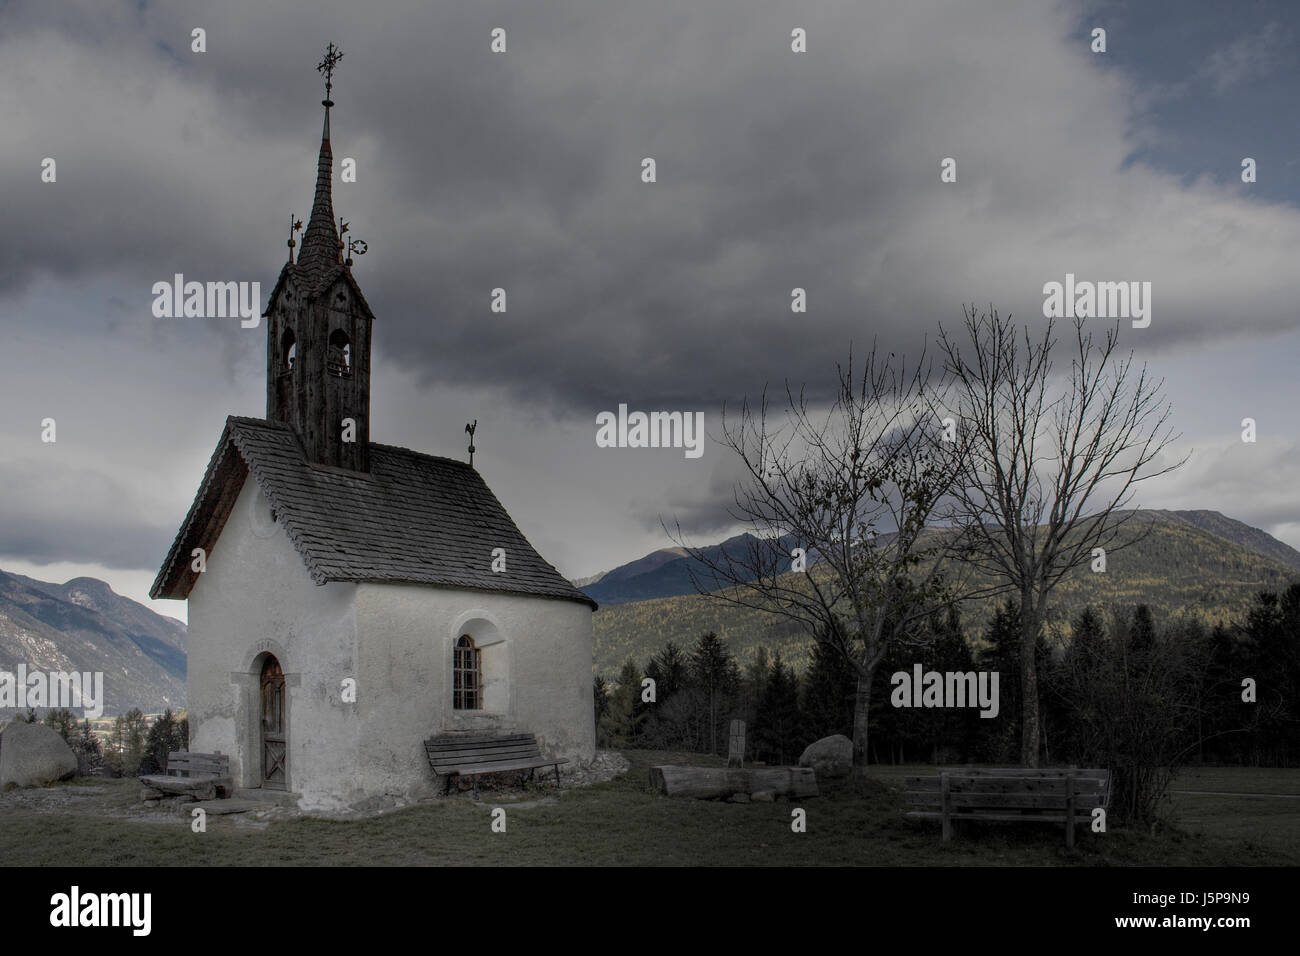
x=736, y=748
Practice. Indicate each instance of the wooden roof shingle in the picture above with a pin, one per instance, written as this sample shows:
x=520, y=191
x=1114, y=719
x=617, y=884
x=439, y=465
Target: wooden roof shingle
x=413, y=518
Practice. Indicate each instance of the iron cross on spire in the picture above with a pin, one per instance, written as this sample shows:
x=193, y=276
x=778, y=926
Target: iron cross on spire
x=326, y=66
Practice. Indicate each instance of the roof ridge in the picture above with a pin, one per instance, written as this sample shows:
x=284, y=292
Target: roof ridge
x=382, y=446
x=423, y=454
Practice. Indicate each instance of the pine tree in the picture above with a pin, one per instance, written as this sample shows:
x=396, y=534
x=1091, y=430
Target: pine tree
x=86, y=744
x=950, y=729
x=1272, y=652
x=1142, y=630
x=829, y=689
x=717, y=676
x=1087, y=628
x=1002, y=654
x=62, y=721
x=162, y=739
x=621, y=722
x=779, y=716
x=132, y=740
x=756, y=677
x=670, y=670
x=600, y=702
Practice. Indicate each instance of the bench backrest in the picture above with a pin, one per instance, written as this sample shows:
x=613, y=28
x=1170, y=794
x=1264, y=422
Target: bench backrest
x=1011, y=788
x=461, y=749
x=183, y=763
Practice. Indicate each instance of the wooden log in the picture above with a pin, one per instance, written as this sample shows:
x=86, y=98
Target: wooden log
x=716, y=783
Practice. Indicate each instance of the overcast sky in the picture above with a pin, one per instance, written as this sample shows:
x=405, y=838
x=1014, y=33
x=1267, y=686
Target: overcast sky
x=522, y=170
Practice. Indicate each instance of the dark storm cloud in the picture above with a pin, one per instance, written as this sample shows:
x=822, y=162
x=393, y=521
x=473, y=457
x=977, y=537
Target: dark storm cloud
x=775, y=170
x=700, y=509
x=52, y=513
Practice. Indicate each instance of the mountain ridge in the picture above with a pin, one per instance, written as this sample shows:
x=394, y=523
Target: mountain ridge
x=84, y=625
x=1179, y=568
x=667, y=571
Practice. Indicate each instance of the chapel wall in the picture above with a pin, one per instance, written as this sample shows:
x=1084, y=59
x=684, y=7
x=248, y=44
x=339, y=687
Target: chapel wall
x=537, y=665
x=256, y=597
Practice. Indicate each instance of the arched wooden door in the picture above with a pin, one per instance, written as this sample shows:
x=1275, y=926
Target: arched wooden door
x=274, y=742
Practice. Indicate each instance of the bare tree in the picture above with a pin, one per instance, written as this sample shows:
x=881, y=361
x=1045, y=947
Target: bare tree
x=1050, y=463
x=855, y=487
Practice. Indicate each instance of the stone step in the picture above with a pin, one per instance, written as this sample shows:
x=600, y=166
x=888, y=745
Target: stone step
x=279, y=798
x=233, y=805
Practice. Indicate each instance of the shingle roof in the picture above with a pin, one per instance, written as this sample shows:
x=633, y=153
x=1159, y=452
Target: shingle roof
x=321, y=248
x=312, y=284
x=413, y=518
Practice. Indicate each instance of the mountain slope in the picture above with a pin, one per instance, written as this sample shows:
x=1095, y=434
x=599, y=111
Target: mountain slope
x=664, y=573
x=1178, y=568
x=1239, y=532
x=83, y=625
x=667, y=572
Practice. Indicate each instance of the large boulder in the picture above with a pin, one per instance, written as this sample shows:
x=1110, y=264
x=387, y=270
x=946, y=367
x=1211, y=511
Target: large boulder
x=829, y=757
x=33, y=755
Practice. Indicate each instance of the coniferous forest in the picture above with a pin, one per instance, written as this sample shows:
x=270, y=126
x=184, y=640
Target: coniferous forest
x=1141, y=693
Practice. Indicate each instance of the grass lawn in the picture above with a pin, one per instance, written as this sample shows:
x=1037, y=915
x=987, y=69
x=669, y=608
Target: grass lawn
x=624, y=823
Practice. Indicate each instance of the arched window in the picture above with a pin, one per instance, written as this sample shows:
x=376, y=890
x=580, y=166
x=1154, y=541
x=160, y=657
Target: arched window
x=467, y=673
x=339, y=360
x=288, y=350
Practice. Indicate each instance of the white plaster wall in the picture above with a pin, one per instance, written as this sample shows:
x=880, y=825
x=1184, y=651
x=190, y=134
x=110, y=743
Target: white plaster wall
x=536, y=662
x=256, y=596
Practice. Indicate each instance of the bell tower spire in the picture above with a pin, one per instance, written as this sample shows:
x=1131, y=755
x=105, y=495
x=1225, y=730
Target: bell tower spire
x=320, y=244
x=318, y=336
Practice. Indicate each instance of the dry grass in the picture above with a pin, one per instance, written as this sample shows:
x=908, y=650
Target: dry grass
x=624, y=823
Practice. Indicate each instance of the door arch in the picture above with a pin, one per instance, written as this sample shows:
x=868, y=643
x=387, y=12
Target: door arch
x=274, y=743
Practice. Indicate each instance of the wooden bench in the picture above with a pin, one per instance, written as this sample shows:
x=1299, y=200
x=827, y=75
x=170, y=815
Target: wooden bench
x=470, y=755
x=1010, y=794
x=201, y=776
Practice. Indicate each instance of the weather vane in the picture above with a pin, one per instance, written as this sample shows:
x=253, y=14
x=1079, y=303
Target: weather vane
x=326, y=66
x=295, y=225
x=471, y=429
x=358, y=246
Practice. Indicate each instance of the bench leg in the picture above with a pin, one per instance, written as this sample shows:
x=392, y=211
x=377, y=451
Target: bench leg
x=947, y=804
x=1069, y=812
x=557, y=774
